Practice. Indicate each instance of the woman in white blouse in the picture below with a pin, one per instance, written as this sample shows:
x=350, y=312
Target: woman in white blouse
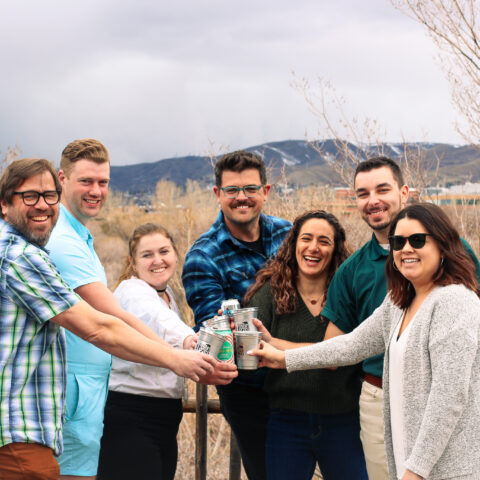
x=144, y=406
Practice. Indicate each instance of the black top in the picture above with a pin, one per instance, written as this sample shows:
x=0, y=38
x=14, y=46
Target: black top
x=319, y=391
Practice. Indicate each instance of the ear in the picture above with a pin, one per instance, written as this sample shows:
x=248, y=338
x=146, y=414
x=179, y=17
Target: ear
x=62, y=176
x=4, y=208
x=216, y=191
x=404, y=195
x=266, y=189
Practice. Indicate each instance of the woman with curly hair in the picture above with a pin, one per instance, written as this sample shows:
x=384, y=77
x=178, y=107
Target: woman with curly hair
x=314, y=415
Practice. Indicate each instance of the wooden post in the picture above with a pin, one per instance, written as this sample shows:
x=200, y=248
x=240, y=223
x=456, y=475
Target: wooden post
x=235, y=460
x=201, y=436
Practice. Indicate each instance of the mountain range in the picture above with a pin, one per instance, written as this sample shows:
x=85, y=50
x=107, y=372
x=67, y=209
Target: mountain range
x=300, y=163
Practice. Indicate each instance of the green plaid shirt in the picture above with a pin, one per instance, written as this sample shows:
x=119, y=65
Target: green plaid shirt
x=32, y=349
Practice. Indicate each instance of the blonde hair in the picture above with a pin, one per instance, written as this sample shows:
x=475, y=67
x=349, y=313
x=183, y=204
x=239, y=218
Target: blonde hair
x=86, y=149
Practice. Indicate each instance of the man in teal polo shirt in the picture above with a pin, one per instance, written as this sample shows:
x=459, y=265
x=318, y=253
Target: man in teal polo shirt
x=84, y=174
x=360, y=286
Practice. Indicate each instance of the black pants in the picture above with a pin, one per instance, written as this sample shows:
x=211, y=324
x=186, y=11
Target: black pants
x=139, y=437
x=246, y=410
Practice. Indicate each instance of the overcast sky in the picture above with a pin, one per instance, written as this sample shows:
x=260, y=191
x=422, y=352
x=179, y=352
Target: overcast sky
x=157, y=79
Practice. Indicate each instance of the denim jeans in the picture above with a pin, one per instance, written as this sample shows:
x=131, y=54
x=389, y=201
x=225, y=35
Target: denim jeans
x=296, y=441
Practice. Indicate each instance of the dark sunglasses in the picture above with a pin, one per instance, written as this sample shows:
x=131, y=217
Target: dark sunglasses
x=416, y=240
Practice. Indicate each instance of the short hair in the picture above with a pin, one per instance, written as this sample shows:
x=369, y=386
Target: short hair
x=457, y=266
x=86, y=149
x=140, y=232
x=21, y=170
x=282, y=269
x=379, y=162
x=237, y=162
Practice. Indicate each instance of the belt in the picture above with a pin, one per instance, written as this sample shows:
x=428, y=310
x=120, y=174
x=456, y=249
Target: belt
x=373, y=380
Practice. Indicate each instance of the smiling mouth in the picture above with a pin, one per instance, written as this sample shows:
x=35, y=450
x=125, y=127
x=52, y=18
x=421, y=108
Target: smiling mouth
x=410, y=260
x=159, y=270
x=312, y=259
x=92, y=202
x=40, y=218
x=376, y=212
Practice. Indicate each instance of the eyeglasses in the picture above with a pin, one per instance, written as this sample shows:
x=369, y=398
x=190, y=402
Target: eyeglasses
x=248, y=190
x=31, y=198
x=416, y=240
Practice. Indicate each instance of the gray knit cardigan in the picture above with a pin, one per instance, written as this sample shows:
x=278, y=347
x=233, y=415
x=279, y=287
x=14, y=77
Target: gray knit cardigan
x=441, y=379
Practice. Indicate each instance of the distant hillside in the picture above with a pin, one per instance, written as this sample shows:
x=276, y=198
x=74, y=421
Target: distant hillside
x=297, y=160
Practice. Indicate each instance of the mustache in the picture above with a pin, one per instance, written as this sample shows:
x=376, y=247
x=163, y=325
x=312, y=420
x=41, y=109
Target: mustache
x=243, y=202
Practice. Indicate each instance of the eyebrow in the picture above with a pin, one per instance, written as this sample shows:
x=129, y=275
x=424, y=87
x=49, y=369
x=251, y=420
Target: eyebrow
x=380, y=185
x=311, y=235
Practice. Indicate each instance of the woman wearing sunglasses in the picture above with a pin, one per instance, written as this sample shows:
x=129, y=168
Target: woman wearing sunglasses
x=429, y=328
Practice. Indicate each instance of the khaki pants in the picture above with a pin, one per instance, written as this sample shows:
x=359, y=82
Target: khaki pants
x=21, y=461
x=371, y=433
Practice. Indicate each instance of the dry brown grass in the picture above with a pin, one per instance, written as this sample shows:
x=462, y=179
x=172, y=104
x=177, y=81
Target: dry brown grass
x=187, y=214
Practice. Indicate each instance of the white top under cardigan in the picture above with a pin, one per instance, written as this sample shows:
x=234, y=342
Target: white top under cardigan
x=441, y=379
x=396, y=351
x=140, y=299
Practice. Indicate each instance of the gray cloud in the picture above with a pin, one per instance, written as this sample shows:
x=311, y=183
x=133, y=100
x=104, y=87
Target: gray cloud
x=154, y=79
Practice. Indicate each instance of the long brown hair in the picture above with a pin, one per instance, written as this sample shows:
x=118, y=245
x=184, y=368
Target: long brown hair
x=456, y=268
x=282, y=270
x=140, y=232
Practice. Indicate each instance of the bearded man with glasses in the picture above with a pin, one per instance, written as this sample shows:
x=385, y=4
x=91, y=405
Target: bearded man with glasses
x=221, y=265
x=34, y=303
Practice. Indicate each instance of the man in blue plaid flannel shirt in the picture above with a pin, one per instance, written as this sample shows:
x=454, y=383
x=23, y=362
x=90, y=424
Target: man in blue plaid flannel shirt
x=221, y=265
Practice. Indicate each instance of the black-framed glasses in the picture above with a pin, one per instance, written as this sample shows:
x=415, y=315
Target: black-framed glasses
x=416, y=240
x=248, y=190
x=31, y=198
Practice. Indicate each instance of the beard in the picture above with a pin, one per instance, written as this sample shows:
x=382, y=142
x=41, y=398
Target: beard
x=20, y=223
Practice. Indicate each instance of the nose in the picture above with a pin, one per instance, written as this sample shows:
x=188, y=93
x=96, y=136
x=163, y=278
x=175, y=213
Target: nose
x=407, y=247
x=372, y=199
x=95, y=190
x=42, y=204
x=242, y=192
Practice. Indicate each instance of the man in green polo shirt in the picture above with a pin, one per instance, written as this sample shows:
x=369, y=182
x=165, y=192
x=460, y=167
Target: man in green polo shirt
x=359, y=287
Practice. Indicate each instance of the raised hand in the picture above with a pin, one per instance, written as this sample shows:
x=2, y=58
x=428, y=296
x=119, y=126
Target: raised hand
x=269, y=356
x=266, y=335
x=190, y=342
x=223, y=374
x=192, y=364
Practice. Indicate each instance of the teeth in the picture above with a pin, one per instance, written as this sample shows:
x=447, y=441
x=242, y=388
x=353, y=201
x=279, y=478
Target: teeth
x=93, y=202
x=410, y=260
x=39, y=219
x=242, y=206
x=376, y=212
x=311, y=259
x=159, y=270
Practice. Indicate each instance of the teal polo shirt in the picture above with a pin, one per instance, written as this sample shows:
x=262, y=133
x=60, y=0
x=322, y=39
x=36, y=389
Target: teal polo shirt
x=71, y=249
x=359, y=287
x=356, y=290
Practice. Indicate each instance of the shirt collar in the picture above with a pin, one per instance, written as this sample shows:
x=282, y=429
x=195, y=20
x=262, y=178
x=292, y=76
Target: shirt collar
x=377, y=252
x=79, y=227
x=224, y=234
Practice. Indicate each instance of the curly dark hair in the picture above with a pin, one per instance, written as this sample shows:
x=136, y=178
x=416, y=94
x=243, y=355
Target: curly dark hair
x=457, y=267
x=282, y=269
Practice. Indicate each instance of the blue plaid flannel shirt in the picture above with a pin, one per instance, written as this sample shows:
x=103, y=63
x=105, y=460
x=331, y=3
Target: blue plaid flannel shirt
x=219, y=267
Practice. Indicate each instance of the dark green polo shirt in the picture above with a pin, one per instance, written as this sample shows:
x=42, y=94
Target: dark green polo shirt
x=359, y=287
